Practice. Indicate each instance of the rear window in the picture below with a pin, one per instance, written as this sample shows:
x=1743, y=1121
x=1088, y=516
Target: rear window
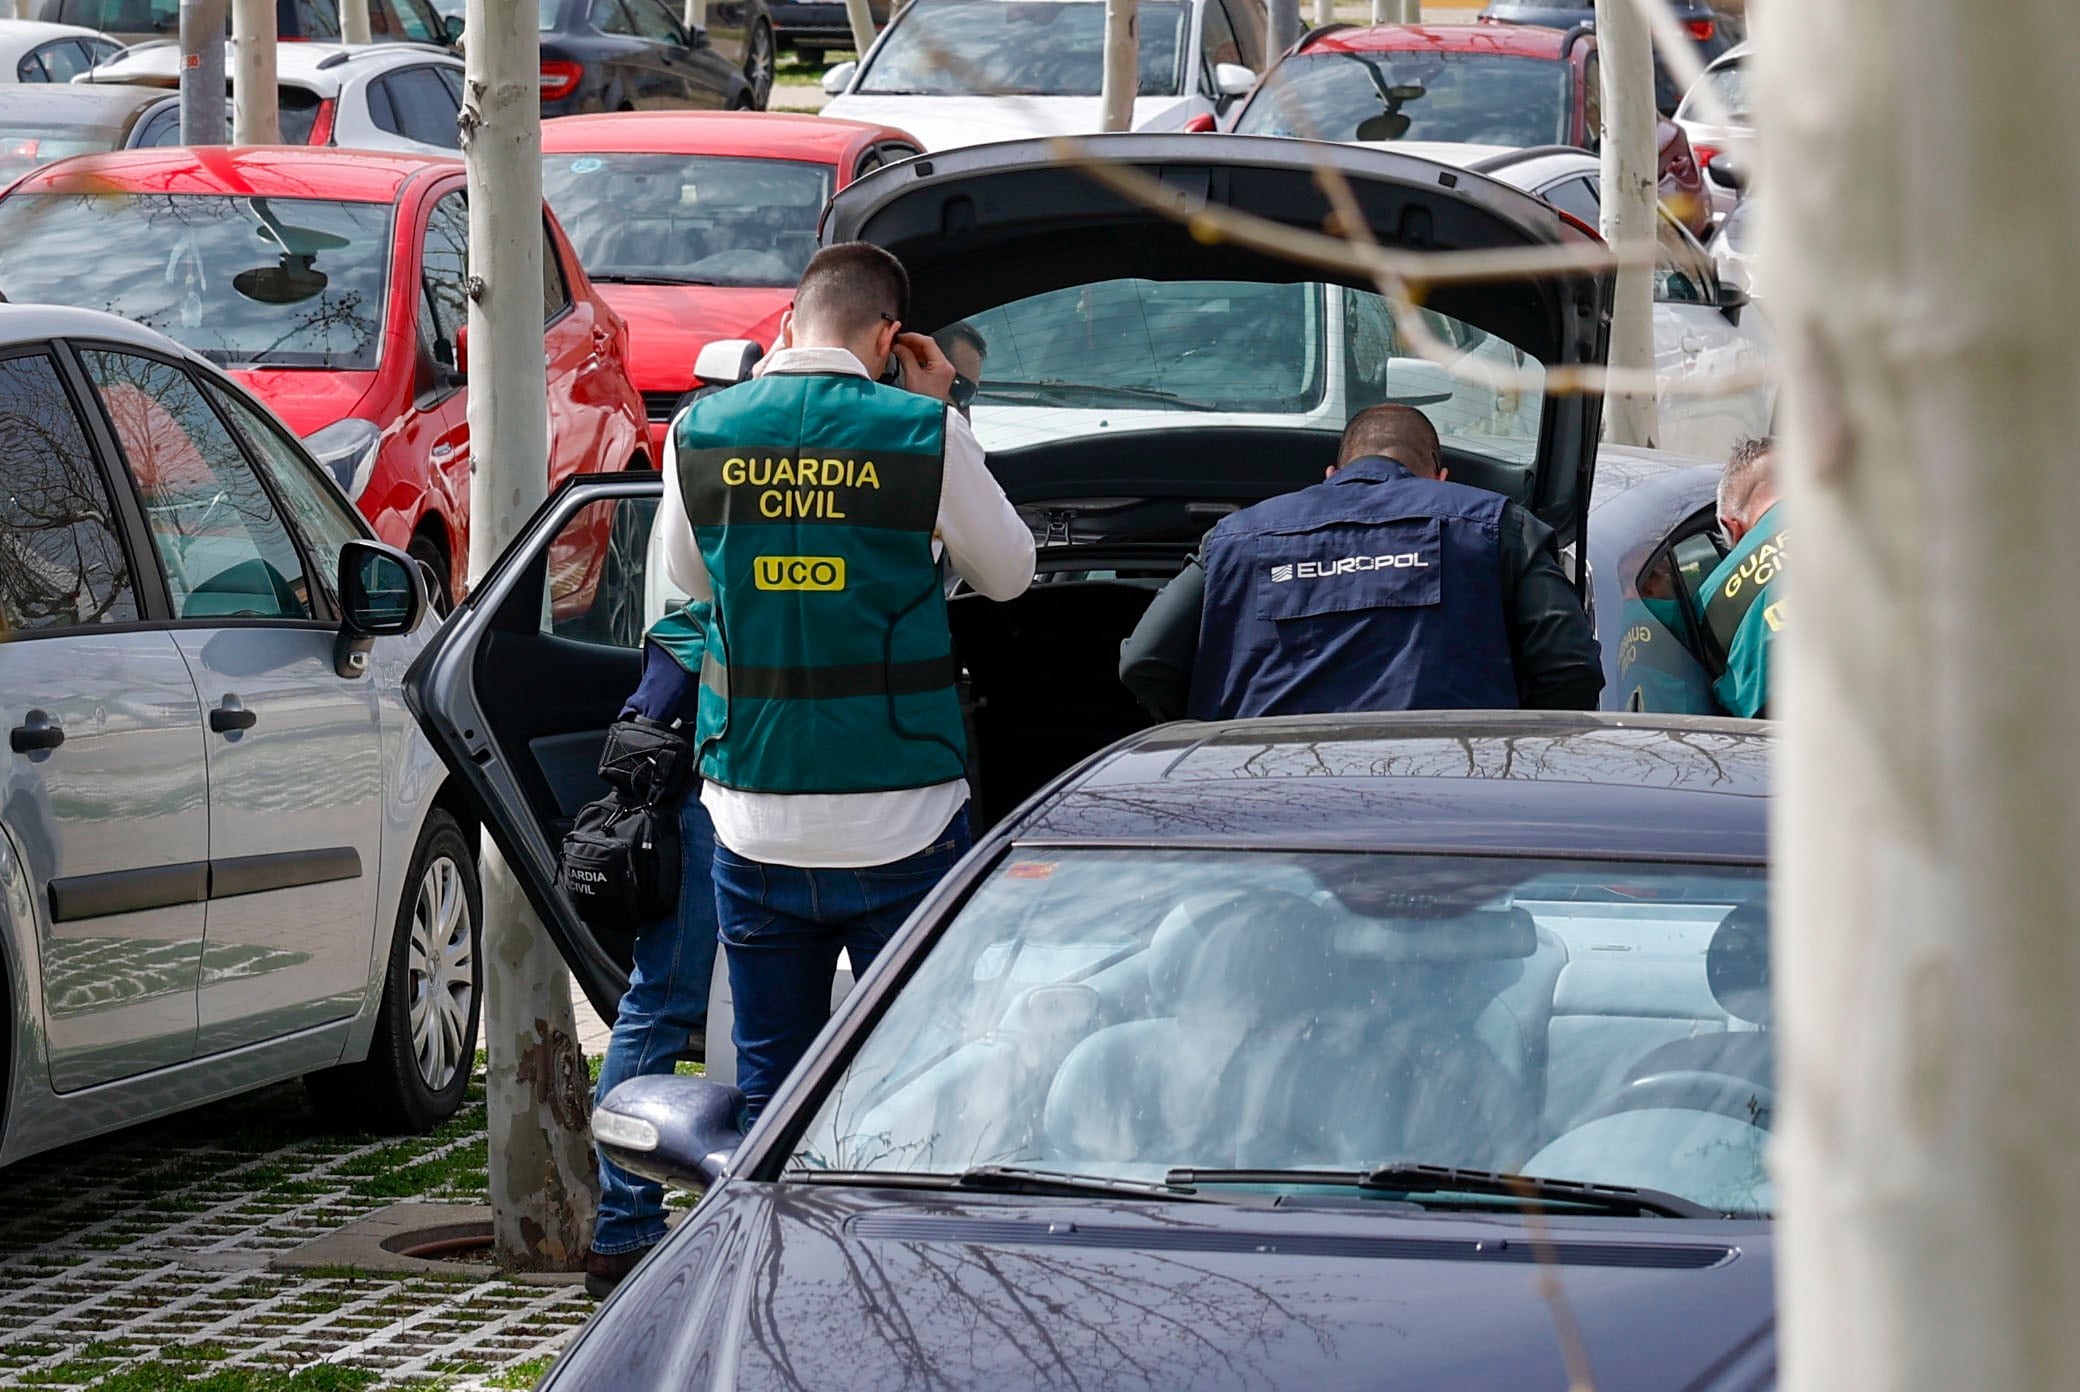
x=1730, y=84
x=1474, y=98
x=298, y=110
x=26, y=144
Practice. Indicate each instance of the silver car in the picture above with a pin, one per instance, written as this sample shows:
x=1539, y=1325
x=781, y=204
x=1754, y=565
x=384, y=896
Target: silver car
x=227, y=856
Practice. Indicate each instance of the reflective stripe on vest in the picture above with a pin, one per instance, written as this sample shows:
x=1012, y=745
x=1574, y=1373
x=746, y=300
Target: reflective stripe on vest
x=828, y=666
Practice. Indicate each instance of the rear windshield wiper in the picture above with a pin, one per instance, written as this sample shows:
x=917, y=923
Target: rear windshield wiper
x=1449, y=1179
x=1030, y=390
x=1015, y=1179
x=634, y=278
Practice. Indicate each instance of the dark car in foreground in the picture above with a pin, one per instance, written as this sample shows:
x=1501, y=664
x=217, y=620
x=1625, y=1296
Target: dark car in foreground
x=638, y=55
x=1268, y=1054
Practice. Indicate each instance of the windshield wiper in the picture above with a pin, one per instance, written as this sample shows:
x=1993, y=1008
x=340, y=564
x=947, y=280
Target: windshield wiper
x=1016, y=1179
x=1450, y=1179
x=632, y=278
x=1090, y=389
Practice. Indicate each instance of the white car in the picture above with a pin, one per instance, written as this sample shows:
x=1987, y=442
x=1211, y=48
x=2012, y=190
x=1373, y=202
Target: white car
x=359, y=97
x=1727, y=77
x=969, y=72
x=1704, y=326
x=32, y=51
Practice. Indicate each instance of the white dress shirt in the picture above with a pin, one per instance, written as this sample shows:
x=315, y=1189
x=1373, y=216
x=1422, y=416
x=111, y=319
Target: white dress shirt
x=992, y=549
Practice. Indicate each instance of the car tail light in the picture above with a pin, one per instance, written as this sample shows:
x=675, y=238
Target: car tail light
x=559, y=78
x=321, y=124
x=1705, y=154
x=20, y=149
x=1701, y=29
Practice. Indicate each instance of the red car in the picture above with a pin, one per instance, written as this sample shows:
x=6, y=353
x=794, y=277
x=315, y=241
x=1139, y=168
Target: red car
x=696, y=224
x=1508, y=86
x=330, y=283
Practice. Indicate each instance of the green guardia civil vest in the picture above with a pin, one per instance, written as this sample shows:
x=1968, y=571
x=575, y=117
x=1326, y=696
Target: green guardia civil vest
x=1743, y=613
x=827, y=666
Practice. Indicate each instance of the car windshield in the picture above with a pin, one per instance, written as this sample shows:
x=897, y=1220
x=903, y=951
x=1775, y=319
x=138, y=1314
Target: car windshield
x=1730, y=84
x=692, y=218
x=1034, y=48
x=1065, y=361
x=1475, y=98
x=1128, y=1012
x=549, y=15
x=26, y=144
x=287, y=282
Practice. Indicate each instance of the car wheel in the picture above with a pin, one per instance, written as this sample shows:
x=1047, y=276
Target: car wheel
x=425, y=1046
x=440, y=585
x=617, y=602
x=742, y=103
x=758, y=66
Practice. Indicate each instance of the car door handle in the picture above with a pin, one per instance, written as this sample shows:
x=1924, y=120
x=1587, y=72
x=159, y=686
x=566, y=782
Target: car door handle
x=37, y=731
x=230, y=718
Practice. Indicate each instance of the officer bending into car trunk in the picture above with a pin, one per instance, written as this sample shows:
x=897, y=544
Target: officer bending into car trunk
x=806, y=512
x=1384, y=587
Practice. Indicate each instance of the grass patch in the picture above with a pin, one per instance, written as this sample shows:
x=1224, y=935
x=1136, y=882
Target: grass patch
x=165, y=1375
x=462, y=1168
x=522, y=1376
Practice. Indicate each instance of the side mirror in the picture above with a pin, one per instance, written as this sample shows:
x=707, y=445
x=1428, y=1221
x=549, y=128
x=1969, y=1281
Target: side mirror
x=1732, y=300
x=1202, y=124
x=839, y=78
x=678, y=1131
x=451, y=25
x=1727, y=173
x=380, y=594
x=727, y=361
x=1232, y=79
x=460, y=367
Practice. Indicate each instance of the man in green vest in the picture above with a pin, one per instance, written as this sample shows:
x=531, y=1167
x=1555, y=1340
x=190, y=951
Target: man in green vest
x=808, y=511
x=1742, y=603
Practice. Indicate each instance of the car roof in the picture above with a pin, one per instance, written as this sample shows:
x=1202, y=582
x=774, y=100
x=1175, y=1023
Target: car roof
x=277, y=171
x=61, y=102
x=324, y=68
x=751, y=134
x=1609, y=785
x=30, y=323
x=1515, y=40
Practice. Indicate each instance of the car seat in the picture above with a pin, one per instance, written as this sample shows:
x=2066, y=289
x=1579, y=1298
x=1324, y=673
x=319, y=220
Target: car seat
x=1240, y=982
x=1736, y=967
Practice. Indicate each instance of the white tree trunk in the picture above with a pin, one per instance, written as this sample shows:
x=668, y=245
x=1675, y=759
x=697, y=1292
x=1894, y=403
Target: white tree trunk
x=1630, y=177
x=1324, y=12
x=1281, y=25
x=1122, y=75
x=353, y=21
x=202, y=85
x=696, y=15
x=860, y=15
x=542, y=1176
x=1920, y=221
x=255, y=115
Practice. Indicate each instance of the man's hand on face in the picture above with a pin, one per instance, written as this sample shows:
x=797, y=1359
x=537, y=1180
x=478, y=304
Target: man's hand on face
x=925, y=369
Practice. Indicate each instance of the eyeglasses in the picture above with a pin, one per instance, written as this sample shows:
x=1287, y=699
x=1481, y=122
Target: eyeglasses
x=963, y=391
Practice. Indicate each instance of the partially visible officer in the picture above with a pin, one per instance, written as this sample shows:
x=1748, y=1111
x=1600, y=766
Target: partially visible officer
x=1743, y=610
x=810, y=506
x=1383, y=588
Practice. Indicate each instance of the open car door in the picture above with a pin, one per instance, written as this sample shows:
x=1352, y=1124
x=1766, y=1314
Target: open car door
x=518, y=687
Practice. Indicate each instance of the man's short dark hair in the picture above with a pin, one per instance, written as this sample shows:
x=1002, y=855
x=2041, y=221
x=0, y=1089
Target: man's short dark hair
x=1401, y=433
x=847, y=288
x=961, y=331
x=1748, y=468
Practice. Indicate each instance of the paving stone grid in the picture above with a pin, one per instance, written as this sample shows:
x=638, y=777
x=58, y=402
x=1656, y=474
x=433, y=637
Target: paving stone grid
x=140, y=1261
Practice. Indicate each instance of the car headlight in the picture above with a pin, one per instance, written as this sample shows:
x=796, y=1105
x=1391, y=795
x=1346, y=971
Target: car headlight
x=347, y=449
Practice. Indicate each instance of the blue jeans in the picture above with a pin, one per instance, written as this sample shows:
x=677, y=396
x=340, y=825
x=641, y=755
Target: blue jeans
x=782, y=927
x=667, y=1001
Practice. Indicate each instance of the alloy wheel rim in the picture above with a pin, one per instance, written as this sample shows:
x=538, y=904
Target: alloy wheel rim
x=761, y=65
x=622, y=574
x=442, y=973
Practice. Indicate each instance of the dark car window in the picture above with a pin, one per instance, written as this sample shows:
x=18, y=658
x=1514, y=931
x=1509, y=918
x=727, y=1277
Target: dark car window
x=453, y=78
x=556, y=295
x=416, y=21
x=324, y=520
x=722, y=220
x=122, y=16
x=1035, y=48
x=162, y=127
x=1249, y=20
x=1475, y=98
x=61, y=560
x=653, y=21
x=1217, y=43
x=608, y=17
x=444, y=265
x=224, y=548
x=1576, y=198
x=1683, y=275
x=54, y=62
x=298, y=110
x=422, y=108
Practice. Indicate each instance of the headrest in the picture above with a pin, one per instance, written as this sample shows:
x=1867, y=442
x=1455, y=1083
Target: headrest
x=1736, y=965
x=1223, y=947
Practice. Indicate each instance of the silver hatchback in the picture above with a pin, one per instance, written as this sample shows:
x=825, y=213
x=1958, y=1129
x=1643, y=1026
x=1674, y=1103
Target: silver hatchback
x=227, y=855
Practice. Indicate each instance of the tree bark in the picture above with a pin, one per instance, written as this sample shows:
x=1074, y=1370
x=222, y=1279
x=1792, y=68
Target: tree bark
x=1919, y=223
x=202, y=86
x=1630, y=180
x=1281, y=25
x=353, y=21
x=255, y=111
x=1122, y=75
x=542, y=1176
x=860, y=15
